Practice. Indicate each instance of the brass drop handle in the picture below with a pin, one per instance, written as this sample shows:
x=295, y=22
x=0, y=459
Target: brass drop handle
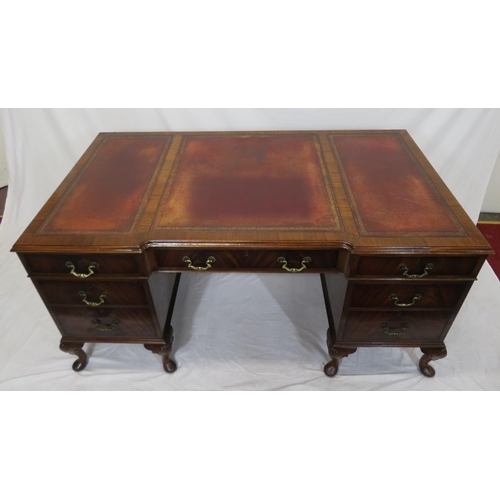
x=404, y=268
x=102, y=327
x=93, y=304
x=395, y=298
x=387, y=329
x=283, y=261
x=208, y=263
x=93, y=265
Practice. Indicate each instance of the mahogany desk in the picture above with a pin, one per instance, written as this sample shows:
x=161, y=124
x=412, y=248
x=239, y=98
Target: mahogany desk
x=365, y=210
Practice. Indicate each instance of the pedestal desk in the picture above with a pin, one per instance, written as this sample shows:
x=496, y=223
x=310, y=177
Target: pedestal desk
x=394, y=252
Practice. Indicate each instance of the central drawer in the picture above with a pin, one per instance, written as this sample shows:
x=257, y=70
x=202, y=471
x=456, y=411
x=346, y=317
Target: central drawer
x=247, y=260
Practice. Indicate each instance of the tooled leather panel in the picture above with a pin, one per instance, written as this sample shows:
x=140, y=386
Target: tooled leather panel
x=389, y=191
x=249, y=181
x=110, y=192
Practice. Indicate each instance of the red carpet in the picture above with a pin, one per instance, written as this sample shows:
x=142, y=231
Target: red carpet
x=491, y=231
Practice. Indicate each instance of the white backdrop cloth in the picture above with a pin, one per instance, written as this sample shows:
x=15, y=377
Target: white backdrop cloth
x=239, y=331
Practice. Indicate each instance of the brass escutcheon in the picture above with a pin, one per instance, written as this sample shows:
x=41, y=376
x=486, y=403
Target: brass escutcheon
x=208, y=263
x=102, y=327
x=93, y=265
x=93, y=304
x=283, y=261
x=387, y=329
x=395, y=298
x=404, y=268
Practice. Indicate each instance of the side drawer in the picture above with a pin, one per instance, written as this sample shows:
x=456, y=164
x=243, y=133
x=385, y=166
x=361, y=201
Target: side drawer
x=417, y=267
x=247, y=260
x=96, y=324
x=83, y=264
x=97, y=293
x=397, y=295
x=394, y=327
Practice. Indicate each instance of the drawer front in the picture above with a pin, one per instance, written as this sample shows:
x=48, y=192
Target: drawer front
x=409, y=296
x=251, y=260
x=394, y=327
x=416, y=267
x=83, y=264
x=93, y=293
x=95, y=324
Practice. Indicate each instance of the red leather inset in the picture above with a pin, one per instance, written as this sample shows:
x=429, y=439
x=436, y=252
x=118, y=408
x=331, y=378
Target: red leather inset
x=249, y=181
x=108, y=195
x=391, y=191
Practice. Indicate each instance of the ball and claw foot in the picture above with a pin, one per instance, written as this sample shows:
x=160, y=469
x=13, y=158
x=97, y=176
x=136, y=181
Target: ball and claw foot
x=77, y=350
x=430, y=354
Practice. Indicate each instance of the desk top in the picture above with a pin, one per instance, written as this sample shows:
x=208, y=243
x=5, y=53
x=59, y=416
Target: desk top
x=367, y=191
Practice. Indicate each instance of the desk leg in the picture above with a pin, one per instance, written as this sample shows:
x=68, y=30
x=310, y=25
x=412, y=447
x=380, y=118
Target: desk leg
x=162, y=286
x=336, y=353
x=430, y=354
x=164, y=350
x=76, y=349
x=339, y=285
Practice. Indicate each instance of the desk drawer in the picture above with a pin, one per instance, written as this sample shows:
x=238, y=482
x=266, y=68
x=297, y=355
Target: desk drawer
x=104, y=293
x=96, y=324
x=393, y=327
x=83, y=264
x=411, y=295
x=416, y=267
x=247, y=260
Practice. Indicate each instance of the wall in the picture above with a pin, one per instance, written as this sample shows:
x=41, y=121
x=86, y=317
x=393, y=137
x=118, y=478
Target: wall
x=491, y=202
x=3, y=163
x=401, y=118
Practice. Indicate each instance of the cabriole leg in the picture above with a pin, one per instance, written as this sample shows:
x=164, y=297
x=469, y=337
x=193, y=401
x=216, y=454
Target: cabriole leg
x=430, y=354
x=164, y=350
x=76, y=349
x=336, y=353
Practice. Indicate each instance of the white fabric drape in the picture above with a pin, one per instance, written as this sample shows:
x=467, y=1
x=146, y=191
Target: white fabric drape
x=239, y=331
